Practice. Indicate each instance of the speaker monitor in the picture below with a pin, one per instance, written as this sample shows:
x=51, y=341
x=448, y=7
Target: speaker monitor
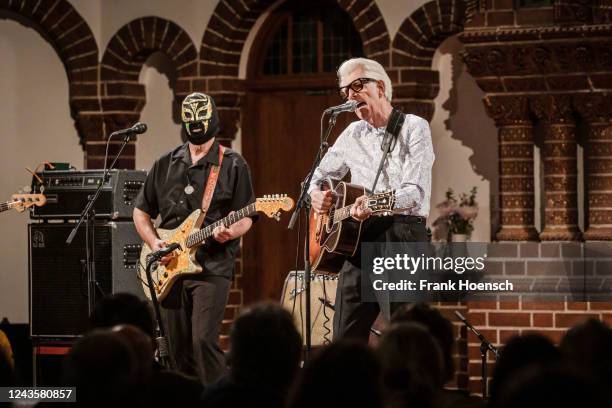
x=322, y=295
x=58, y=277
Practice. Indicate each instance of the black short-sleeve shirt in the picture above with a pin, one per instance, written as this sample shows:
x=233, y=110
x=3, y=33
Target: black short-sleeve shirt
x=164, y=194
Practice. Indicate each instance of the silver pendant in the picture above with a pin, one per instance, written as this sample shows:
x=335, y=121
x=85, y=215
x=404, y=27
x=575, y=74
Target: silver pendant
x=189, y=189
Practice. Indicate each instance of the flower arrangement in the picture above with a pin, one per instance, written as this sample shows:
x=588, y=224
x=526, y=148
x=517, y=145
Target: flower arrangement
x=456, y=215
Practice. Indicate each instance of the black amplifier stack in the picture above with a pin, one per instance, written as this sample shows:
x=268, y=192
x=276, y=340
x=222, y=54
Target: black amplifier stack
x=58, y=281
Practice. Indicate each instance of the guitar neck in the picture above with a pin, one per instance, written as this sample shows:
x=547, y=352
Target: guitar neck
x=7, y=205
x=343, y=213
x=198, y=237
x=374, y=202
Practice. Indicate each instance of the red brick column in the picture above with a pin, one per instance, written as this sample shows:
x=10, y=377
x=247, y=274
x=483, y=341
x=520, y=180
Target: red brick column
x=560, y=168
x=516, y=185
x=596, y=110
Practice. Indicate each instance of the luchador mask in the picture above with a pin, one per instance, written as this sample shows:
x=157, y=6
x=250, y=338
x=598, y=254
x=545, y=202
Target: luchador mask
x=200, y=118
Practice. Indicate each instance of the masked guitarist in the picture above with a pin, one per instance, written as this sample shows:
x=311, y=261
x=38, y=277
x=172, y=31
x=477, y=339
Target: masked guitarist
x=175, y=188
x=406, y=168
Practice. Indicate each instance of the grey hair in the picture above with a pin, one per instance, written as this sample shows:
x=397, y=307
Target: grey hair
x=371, y=69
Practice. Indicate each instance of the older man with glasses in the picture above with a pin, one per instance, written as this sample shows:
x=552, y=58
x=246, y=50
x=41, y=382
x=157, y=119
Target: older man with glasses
x=406, y=169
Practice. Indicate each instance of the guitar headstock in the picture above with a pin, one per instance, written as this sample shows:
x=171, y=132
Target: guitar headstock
x=271, y=205
x=23, y=201
x=381, y=203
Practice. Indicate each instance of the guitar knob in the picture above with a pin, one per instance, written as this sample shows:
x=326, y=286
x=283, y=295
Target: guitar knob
x=165, y=274
x=160, y=282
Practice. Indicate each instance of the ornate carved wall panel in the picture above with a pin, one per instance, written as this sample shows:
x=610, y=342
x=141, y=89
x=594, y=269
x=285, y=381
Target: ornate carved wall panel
x=562, y=63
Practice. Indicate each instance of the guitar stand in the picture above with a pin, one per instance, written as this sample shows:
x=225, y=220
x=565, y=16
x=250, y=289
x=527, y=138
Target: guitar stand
x=162, y=341
x=304, y=202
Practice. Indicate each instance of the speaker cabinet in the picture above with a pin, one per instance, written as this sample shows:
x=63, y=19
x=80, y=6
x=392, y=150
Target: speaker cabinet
x=323, y=297
x=58, y=277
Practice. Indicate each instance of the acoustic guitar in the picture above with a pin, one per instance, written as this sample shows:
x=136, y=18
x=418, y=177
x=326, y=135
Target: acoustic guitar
x=335, y=234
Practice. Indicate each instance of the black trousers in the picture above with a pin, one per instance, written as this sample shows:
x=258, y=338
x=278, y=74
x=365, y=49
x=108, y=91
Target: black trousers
x=192, y=318
x=354, y=318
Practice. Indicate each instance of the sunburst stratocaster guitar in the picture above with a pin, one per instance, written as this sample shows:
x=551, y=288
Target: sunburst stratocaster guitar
x=22, y=201
x=189, y=236
x=335, y=234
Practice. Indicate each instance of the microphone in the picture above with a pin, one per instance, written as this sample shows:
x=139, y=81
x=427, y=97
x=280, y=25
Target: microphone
x=164, y=251
x=348, y=106
x=137, y=129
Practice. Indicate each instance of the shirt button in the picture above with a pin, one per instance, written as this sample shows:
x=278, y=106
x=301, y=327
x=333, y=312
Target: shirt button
x=181, y=201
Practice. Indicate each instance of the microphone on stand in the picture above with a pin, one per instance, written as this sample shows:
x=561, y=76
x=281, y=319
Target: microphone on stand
x=164, y=251
x=348, y=106
x=137, y=129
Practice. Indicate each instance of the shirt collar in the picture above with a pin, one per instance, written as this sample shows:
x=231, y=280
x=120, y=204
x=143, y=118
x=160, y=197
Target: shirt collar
x=211, y=157
x=370, y=128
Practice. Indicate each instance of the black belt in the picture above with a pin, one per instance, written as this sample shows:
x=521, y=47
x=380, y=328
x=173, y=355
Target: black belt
x=409, y=219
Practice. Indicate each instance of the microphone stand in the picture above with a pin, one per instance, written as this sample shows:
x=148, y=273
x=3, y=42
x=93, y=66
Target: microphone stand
x=485, y=347
x=304, y=201
x=162, y=341
x=88, y=215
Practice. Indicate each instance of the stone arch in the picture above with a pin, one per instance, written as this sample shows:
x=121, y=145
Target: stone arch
x=123, y=97
x=413, y=49
x=227, y=31
x=65, y=29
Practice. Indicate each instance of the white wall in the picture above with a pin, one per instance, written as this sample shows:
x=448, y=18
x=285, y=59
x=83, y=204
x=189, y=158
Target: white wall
x=464, y=138
x=394, y=12
x=35, y=125
x=163, y=134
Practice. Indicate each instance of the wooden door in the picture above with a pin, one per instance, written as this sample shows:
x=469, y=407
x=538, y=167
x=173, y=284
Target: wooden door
x=280, y=137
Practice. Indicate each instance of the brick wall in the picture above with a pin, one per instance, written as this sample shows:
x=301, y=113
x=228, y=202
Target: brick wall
x=499, y=320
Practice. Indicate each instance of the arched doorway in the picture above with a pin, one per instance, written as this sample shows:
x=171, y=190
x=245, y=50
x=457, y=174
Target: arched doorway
x=290, y=81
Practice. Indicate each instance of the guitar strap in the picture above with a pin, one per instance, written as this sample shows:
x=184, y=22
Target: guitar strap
x=396, y=121
x=211, y=183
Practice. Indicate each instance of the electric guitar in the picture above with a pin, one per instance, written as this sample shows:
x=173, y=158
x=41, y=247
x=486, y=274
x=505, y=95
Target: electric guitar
x=335, y=234
x=22, y=201
x=189, y=236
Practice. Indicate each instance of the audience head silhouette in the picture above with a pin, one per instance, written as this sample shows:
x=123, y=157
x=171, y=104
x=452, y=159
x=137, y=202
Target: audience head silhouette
x=345, y=373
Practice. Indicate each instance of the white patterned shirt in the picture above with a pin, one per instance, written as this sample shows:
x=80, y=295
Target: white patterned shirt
x=407, y=170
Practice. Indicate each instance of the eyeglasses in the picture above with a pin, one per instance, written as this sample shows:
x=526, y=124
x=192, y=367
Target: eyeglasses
x=357, y=86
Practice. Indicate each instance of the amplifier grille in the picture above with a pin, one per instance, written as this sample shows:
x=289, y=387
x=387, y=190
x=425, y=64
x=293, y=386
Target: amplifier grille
x=58, y=278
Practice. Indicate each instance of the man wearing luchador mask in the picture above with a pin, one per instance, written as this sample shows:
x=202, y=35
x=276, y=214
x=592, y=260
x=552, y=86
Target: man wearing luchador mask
x=173, y=190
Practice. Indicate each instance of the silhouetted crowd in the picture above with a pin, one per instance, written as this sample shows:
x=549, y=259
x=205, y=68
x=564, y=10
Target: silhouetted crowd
x=114, y=364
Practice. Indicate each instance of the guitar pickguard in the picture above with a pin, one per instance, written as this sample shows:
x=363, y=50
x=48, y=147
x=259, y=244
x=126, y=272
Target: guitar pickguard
x=183, y=262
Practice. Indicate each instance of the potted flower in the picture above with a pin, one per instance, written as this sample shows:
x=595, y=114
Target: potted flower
x=456, y=220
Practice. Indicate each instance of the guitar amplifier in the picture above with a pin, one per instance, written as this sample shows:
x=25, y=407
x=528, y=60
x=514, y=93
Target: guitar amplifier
x=67, y=193
x=323, y=297
x=58, y=278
